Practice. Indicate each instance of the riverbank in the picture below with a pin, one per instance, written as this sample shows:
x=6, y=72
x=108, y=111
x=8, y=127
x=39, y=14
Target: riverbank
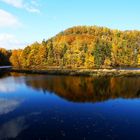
x=5, y=68
x=82, y=72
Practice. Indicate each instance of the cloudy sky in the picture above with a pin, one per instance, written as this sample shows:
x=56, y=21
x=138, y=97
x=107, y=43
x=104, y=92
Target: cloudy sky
x=23, y=22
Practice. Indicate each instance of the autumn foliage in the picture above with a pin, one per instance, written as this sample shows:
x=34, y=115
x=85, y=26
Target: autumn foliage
x=82, y=47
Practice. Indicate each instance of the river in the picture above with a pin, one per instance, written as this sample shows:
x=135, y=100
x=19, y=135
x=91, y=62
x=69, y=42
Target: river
x=47, y=107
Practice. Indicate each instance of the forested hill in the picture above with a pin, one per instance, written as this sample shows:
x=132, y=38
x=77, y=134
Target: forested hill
x=82, y=47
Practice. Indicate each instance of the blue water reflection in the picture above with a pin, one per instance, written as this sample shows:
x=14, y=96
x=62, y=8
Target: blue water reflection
x=34, y=107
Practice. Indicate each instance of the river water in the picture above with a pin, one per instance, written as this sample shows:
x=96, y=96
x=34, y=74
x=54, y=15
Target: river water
x=43, y=107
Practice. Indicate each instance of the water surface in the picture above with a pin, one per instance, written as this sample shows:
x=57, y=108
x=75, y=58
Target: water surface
x=43, y=107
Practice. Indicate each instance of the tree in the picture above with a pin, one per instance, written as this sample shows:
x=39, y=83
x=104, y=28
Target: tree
x=4, y=57
x=101, y=51
x=15, y=58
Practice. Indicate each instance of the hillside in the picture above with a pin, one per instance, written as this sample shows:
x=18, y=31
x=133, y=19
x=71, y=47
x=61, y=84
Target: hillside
x=82, y=47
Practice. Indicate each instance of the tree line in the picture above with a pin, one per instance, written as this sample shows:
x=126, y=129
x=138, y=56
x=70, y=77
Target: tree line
x=82, y=47
x=4, y=57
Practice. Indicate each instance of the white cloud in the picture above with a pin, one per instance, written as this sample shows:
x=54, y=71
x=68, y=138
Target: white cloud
x=31, y=6
x=15, y=3
x=9, y=41
x=8, y=20
x=32, y=9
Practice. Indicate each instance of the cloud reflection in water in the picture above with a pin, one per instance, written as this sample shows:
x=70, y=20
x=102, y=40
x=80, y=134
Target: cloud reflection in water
x=12, y=128
x=8, y=105
x=7, y=85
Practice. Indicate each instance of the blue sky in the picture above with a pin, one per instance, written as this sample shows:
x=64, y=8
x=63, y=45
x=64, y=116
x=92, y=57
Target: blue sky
x=23, y=22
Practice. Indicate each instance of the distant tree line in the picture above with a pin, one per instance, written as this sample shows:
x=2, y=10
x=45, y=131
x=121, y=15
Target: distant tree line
x=4, y=57
x=82, y=47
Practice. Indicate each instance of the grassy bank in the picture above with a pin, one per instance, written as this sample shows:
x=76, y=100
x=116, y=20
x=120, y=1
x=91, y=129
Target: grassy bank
x=82, y=72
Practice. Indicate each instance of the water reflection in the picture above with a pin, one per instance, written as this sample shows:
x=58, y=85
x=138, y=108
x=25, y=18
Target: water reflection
x=12, y=128
x=8, y=105
x=76, y=89
x=87, y=89
x=7, y=85
x=43, y=107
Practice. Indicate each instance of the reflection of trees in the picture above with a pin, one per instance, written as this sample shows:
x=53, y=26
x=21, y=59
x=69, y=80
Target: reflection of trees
x=4, y=74
x=87, y=89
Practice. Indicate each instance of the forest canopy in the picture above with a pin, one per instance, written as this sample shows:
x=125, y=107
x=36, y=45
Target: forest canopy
x=82, y=47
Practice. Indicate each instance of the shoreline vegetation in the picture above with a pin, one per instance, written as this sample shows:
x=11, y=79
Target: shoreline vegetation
x=82, y=72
